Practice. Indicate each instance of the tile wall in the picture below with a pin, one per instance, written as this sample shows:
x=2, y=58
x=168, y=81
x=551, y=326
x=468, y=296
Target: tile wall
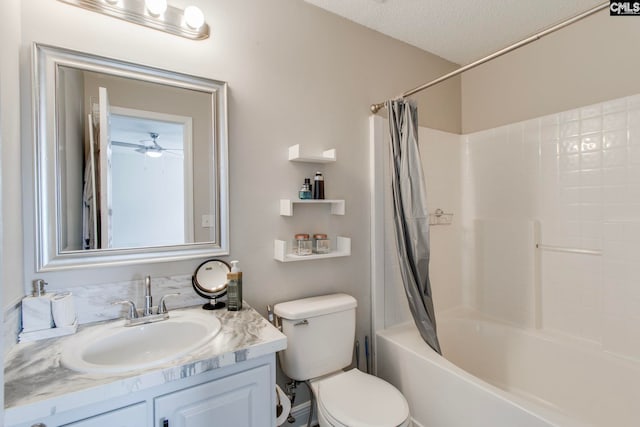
x=578, y=174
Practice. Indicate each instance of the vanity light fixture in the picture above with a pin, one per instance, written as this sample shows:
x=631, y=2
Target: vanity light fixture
x=156, y=14
x=193, y=17
x=156, y=7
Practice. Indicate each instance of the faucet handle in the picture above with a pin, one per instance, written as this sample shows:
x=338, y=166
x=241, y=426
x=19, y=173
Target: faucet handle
x=133, y=313
x=162, y=308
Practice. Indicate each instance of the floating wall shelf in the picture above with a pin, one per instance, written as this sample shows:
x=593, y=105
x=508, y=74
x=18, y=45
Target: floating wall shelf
x=281, y=251
x=281, y=248
x=286, y=205
x=296, y=155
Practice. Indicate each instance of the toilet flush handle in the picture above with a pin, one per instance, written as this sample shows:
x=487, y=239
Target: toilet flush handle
x=302, y=322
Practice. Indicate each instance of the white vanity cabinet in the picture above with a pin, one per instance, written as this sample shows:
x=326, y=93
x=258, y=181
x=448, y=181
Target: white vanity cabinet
x=131, y=416
x=239, y=400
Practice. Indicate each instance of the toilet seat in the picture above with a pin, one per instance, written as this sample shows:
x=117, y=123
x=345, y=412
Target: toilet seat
x=356, y=399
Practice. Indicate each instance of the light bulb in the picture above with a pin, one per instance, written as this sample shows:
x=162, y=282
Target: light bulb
x=154, y=154
x=156, y=7
x=193, y=17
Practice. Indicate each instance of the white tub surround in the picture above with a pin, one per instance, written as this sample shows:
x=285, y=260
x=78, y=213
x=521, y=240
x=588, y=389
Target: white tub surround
x=548, y=243
x=577, y=173
x=38, y=386
x=495, y=374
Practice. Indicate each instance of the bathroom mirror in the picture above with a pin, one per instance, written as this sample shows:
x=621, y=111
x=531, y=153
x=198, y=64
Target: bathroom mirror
x=131, y=162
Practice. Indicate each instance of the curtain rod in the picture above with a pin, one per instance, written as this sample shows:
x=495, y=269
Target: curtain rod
x=376, y=107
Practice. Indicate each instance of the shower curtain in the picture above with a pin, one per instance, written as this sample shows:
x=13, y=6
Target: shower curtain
x=411, y=216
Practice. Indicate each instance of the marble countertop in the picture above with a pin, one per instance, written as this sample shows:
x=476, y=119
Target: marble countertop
x=35, y=379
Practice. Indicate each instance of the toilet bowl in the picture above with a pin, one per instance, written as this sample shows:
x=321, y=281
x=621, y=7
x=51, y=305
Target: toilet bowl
x=356, y=399
x=320, y=336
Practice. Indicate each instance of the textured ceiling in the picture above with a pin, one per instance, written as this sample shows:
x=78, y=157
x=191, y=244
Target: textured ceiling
x=460, y=31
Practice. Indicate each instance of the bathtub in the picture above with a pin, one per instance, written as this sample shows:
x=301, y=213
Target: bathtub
x=496, y=375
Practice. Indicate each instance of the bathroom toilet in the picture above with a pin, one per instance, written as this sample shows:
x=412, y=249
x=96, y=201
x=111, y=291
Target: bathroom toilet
x=320, y=336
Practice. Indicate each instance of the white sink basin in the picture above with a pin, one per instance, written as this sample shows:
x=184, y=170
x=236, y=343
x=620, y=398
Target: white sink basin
x=113, y=348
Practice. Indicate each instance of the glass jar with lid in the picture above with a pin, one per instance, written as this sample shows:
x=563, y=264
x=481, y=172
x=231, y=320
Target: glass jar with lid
x=321, y=244
x=302, y=244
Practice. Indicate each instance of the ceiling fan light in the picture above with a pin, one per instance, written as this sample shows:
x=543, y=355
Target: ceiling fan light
x=154, y=154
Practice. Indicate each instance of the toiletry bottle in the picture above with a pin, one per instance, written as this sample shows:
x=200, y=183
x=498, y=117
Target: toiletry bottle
x=234, y=288
x=305, y=190
x=318, y=186
x=36, y=309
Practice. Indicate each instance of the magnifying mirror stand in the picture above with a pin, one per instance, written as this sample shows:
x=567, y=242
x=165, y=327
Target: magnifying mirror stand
x=214, y=304
x=210, y=282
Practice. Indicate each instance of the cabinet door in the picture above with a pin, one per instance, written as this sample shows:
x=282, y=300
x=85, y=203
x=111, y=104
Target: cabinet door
x=240, y=400
x=131, y=416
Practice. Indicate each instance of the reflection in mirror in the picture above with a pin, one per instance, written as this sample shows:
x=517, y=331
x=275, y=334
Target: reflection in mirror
x=136, y=169
x=138, y=157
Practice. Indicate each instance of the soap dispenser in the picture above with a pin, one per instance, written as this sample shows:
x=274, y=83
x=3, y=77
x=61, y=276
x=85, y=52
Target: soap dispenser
x=36, y=309
x=234, y=288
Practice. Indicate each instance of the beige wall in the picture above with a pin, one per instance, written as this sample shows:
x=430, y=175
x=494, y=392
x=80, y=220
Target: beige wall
x=588, y=62
x=11, y=215
x=71, y=131
x=296, y=74
x=10, y=257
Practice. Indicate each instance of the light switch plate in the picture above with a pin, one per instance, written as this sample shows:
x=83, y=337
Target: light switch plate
x=207, y=221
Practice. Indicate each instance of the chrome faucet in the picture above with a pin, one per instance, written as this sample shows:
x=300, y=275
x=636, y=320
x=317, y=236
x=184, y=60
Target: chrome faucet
x=162, y=308
x=133, y=318
x=132, y=313
x=148, y=301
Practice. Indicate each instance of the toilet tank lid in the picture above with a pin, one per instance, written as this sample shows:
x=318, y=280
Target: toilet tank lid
x=314, y=306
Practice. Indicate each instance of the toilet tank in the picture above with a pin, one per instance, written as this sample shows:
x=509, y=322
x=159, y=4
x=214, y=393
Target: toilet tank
x=320, y=334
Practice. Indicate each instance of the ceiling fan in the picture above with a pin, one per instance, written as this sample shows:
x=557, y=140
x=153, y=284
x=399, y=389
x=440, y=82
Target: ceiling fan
x=152, y=150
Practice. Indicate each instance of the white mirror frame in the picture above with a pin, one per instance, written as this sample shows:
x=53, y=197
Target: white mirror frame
x=48, y=256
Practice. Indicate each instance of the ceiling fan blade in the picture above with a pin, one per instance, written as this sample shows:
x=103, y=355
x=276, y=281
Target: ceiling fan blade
x=144, y=148
x=127, y=144
x=139, y=148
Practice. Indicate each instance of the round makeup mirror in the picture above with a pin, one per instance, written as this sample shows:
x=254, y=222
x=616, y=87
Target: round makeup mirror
x=210, y=282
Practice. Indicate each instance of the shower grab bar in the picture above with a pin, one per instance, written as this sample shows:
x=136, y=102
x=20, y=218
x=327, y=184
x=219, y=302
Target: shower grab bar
x=552, y=248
